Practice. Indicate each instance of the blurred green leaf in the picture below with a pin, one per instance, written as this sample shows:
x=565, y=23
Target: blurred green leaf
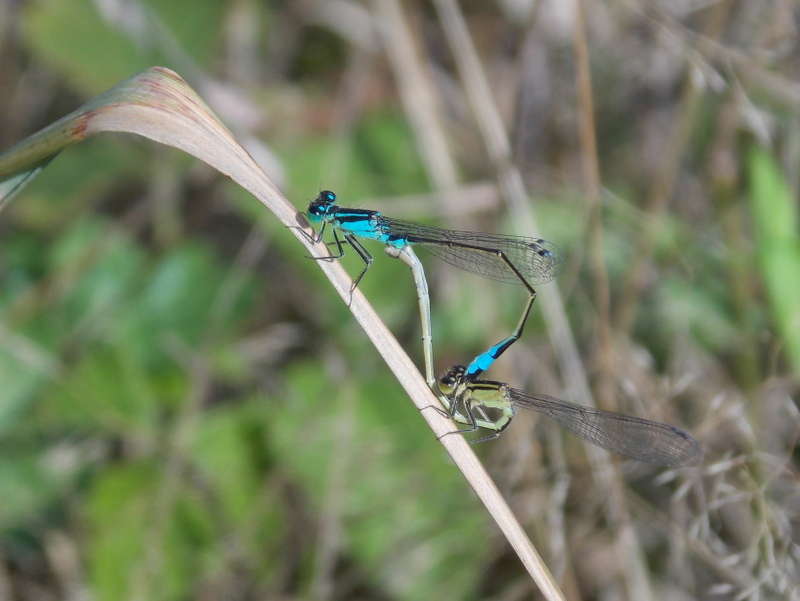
x=775, y=217
x=24, y=368
x=117, y=546
x=196, y=26
x=78, y=180
x=95, y=51
x=228, y=447
x=380, y=160
x=178, y=300
x=179, y=294
x=105, y=266
x=106, y=390
x=73, y=37
x=386, y=155
x=684, y=306
x=26, y=487
x=165, y=537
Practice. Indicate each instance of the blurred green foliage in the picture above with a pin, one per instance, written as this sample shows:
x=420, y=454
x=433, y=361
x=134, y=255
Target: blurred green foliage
x=205, y=424
x=100, y=385
x=92, y=50
x=776, y=221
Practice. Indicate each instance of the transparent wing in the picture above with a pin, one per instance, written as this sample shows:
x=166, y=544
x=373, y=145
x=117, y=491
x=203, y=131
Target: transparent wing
x=641, y=439
x=538, y=261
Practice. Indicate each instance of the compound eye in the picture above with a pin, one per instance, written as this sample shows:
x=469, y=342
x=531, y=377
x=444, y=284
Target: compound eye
x=447, y=384
x=329, y=196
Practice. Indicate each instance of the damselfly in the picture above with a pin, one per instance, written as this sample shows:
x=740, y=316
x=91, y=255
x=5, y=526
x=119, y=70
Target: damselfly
x=514, y=259
x=489, y=405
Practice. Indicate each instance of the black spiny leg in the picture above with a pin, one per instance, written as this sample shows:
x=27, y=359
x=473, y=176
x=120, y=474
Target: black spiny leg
x=336, y=242
x=363, y=253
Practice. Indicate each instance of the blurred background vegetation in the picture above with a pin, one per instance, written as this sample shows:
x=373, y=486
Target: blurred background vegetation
x=188, y=411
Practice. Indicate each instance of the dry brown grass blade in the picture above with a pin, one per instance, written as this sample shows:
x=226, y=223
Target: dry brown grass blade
x=157, y=104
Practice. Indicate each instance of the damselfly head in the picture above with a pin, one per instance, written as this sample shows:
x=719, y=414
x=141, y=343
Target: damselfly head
x=322, y=204
x=449, y=380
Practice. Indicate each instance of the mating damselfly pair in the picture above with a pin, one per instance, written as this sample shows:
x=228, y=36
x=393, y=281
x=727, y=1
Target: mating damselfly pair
x=485, y=404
